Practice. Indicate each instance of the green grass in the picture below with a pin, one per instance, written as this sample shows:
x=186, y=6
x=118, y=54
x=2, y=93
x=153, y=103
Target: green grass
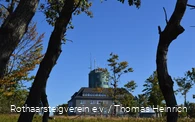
x=13, y=118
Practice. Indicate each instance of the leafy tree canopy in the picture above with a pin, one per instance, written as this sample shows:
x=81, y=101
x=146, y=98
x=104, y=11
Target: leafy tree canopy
x=131, y=85
x=185, y=83
x=152, y=90
x=137, y=3
x=26, y=56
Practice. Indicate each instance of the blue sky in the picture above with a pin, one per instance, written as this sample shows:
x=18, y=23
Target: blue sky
x=127, y=31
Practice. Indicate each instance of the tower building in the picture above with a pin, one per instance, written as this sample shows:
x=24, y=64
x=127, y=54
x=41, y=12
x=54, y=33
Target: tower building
x=98, y=78
x=91, y=96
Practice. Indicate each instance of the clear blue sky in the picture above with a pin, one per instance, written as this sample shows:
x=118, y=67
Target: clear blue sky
x=127, y=31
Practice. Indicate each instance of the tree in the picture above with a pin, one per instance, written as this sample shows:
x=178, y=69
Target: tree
x=11, y=33
x=61, y=20
x=185, y=84
x=14, y=27
x=152, y=91
x=183, y=113
x=116, y=70
x=191, y=74
x=14, y=24
x=130, y=86
x=22, y=61
x=191, y=109
x=58, y=18
x=128, y=100
x=60, y=111
x=16, y=97
x=142, y=100
x=172, y=30
x=137, y=3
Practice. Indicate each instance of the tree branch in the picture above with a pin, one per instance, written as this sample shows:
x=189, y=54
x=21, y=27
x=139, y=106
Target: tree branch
x=159, y=30
x=165, y=15
x=192, y=6
x=76, y=6
x=11, y=7
x=4, y=7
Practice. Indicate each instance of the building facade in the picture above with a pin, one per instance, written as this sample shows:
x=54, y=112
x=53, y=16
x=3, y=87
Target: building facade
x=91, y=101
x=95, y=99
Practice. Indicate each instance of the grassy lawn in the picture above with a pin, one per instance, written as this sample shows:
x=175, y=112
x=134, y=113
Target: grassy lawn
x=13, y=118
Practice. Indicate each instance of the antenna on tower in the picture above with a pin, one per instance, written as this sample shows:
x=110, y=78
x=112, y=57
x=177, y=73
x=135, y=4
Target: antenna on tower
x=94, y=64
x=97, y=64
x=90, y=63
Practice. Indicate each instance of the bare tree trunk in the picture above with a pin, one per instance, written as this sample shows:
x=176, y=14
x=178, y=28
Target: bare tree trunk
x=49, y=60
x=185, y=103
x=13, y=29
x=45, y=104
x=172, y=30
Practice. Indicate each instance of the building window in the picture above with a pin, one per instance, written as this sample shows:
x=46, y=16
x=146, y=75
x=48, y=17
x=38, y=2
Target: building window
x=92, y=102
x=70, y=104
x=99, y=101
x=82, y=101
x=105, y=83
x=105, y=102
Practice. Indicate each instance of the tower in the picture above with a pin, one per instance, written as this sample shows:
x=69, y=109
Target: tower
x=98, y=78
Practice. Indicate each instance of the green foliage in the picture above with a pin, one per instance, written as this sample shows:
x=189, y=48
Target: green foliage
x=185, y=83
x=128, y=101
x=64, y=112
x=152, y=90
x=14, y=118
x=23, y=60
x=131, y=85
x=191, y=74
x=52, y=9
x=137, y=3
x=182, y=114
x=191, y=109
x=17, y=98
x=142, y=100
x=117, y=68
